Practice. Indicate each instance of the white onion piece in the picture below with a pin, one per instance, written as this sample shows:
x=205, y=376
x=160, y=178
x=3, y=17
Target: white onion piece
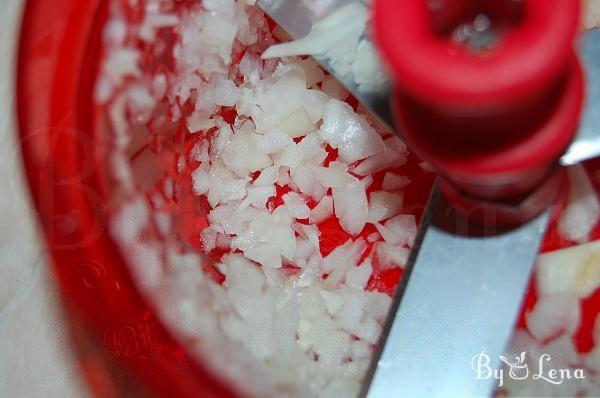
x=296, y=205
x=322, y=211
x=226, y=92
x=225, y=188
x=339, y=261
x=366, y=182
x=345, y=24
x=153, y=22
x=284, y=177
x=282, y=99
x=389, y=158
x=348, y=132
x=313, y=149
x=209, y=239
x=266, y=240
x=258, y=196
x=330, y=177
x=394, y=143
x=290, y=157
x=201, y=181
x=267, y=176
x=333, y=302
x=562, y=350
x=374, y=237
x=314, y=103
x=298, y=124
x=223, y=241
x=393, y=181
x=383, y=205
x=583, y=207
x=271, y=142
x=245, y=284
x=575, y=270
x=366, y=69
x=351, y=207
x=310, y=232
x=198, y=122
x=342, y=254
x=426, y=167
x=331, y=345
x=200, y=151
x=115, y=32
x=304, y=250
x=131, y=220
x=312, y=70
x=400, y=230
x=391, y=256
x=357, y=277
x=242, y=157
x=553, y=315
x=361, y=349
x=303, y=178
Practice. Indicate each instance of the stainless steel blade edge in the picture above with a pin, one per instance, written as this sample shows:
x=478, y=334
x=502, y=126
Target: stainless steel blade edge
x=461, y=297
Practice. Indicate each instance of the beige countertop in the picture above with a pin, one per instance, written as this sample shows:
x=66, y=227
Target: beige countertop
x=35, y=360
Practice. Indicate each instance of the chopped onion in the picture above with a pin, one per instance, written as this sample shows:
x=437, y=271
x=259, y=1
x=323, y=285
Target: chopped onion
x=400, y=230
x=330, y=177
x=583, y=208
x=351, y=207
x=575, y=270
x=322, y=211
x=357, y=277
x=296, y=205
x=391, y=256
x=348, y=132
x=383, y=205
x=553, y=315
x=393, y=181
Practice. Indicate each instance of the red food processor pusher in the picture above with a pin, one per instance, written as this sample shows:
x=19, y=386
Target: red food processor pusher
x=493, y=122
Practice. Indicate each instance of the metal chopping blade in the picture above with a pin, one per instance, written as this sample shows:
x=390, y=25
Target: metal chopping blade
x=587, y=144
x=461, y=296
x=462, y=292
x=299, y=17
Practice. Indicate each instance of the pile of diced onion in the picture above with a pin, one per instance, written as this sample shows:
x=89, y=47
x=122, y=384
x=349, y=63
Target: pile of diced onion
x=295, y=155
x=275, y=313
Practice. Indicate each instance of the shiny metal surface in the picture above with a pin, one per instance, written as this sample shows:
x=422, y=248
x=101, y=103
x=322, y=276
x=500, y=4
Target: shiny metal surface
x=461, y=296
x=298, y=17
x=587, y=144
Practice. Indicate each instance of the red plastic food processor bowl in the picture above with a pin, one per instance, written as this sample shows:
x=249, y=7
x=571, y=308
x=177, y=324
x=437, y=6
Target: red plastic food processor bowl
x=123, y=348
x=125, y=351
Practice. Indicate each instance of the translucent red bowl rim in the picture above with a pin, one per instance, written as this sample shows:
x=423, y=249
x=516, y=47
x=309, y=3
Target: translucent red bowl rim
x=57, y=60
